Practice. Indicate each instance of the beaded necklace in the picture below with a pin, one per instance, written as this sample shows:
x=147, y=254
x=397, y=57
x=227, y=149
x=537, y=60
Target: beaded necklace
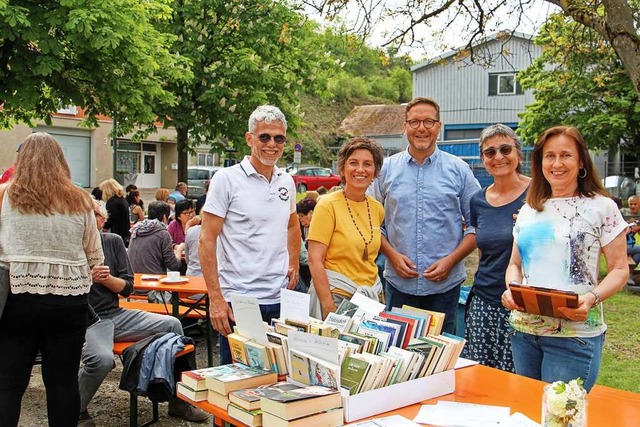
x=365, y=253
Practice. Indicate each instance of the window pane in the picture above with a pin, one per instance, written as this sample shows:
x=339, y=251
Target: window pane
x=149, y=147
x=128, y=162
x=150, y=164
x=506, y=84
x=322, y=172
x=132, y=146
x=202, y=159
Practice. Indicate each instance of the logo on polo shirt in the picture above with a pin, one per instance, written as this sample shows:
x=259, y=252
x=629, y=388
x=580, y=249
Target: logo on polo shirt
x=283, y=193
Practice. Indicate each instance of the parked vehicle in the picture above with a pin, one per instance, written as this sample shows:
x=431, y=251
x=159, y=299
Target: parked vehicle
x=620, y=186
x=313, y=177
x=197, y=177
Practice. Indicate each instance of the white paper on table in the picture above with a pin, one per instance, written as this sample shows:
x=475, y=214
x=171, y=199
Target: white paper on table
x=463, y=415
x=294, y=305
x=390, y=421
x=367, y=304
x=463, y=363
x=520, y=420
x=429, y=414
x=324, y=348
x=248, y=318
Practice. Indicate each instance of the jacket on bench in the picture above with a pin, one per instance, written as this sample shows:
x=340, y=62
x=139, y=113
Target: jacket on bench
x=150, y=367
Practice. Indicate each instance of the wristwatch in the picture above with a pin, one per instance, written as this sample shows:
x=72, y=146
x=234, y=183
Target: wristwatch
x=598, y=300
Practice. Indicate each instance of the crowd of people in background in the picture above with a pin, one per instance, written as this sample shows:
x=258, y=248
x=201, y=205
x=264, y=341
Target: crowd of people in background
x=421, y=209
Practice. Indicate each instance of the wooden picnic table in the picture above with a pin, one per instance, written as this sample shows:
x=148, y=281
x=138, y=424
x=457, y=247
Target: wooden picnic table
x=194, y=285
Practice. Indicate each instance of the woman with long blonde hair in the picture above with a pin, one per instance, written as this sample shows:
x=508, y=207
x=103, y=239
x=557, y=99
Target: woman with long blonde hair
x=50, y=242
x=118, y=208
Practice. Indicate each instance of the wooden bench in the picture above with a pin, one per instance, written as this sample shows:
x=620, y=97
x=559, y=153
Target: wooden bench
x=160, y=308
x=118, y=349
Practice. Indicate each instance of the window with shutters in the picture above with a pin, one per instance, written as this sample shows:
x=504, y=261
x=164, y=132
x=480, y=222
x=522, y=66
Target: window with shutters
x=504, y=84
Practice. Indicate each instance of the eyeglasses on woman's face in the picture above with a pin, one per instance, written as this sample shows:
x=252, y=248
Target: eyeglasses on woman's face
x=504, y=149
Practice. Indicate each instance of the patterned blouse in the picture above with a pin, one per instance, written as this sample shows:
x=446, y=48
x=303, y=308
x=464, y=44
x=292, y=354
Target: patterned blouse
x=560, y=249
x=49, y=254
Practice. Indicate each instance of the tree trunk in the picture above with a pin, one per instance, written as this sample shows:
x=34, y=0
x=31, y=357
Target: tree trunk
x=624, y=38
x=617, y=26
x=183, y=142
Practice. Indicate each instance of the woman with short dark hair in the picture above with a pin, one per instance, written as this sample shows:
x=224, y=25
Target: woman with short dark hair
x=344, y=237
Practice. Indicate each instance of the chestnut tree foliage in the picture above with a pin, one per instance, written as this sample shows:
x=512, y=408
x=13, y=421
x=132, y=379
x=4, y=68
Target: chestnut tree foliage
x=242, y=53
x=108, y=57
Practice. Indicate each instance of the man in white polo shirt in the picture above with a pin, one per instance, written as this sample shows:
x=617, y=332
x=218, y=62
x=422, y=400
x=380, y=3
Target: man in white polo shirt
x=250, y=237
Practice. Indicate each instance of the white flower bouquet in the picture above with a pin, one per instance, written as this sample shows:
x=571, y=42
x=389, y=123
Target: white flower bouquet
x=564, y=404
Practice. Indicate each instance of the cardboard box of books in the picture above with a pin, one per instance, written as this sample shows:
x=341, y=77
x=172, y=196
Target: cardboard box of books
x=397, y=395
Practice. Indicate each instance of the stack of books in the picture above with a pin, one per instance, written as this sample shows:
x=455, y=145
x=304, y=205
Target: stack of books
x=303, y=407
x=214, y=384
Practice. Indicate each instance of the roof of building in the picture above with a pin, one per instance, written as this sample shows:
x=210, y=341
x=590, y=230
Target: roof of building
x=374, y=120
x=503, y=36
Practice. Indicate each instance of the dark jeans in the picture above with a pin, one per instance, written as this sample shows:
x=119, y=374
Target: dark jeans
x=268, y=312
x=55, y=326
x=446, y=303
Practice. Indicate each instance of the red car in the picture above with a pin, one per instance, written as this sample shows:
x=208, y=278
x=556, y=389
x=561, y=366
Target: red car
x=314, y=177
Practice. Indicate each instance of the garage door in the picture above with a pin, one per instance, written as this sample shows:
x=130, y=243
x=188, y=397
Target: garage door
x=76, y=145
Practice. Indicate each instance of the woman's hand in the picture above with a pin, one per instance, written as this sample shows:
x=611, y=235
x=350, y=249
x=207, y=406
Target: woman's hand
x=585, y=302
x=508, y=302
x=193, y=221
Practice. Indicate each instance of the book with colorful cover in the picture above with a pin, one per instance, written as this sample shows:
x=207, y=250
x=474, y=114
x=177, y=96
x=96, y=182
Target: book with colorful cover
x=249, y=398
x=423, y=320
x=234, y=376
x=311, y=370
x=237, y=347
x=408, y=322
x=352, y=374
x=437, y=319
x=347, y=308
x=257, y=355
x=196, y=379
x=393, y=329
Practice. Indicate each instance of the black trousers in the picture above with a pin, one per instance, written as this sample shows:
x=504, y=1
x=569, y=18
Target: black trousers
x=56, y=326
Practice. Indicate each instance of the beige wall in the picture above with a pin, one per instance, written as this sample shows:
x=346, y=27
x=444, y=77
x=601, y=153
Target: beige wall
x=101, y=152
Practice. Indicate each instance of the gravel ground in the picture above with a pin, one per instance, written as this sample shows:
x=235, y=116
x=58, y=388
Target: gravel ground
x=110, y=405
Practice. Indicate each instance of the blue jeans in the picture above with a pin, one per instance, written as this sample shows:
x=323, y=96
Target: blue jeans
x=634, y=252
x=268, y=312
x=557, y=359
x=446, y=303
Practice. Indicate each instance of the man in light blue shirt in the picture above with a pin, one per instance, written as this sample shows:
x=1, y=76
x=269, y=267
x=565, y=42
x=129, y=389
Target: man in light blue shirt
x=179, y=193
x=426, y=194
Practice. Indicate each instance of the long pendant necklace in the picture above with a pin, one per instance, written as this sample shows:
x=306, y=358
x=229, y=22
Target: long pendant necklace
x=365, y=253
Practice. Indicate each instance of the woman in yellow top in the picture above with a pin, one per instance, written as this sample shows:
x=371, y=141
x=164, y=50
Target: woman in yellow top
x=344, y=236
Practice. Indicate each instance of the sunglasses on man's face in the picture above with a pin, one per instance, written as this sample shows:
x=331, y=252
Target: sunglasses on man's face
x=265, y=138
x=491, y=152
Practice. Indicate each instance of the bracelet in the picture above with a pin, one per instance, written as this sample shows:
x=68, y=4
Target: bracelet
x=598, y=300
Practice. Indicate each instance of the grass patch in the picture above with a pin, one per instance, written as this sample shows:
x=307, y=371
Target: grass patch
x=619, y=367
